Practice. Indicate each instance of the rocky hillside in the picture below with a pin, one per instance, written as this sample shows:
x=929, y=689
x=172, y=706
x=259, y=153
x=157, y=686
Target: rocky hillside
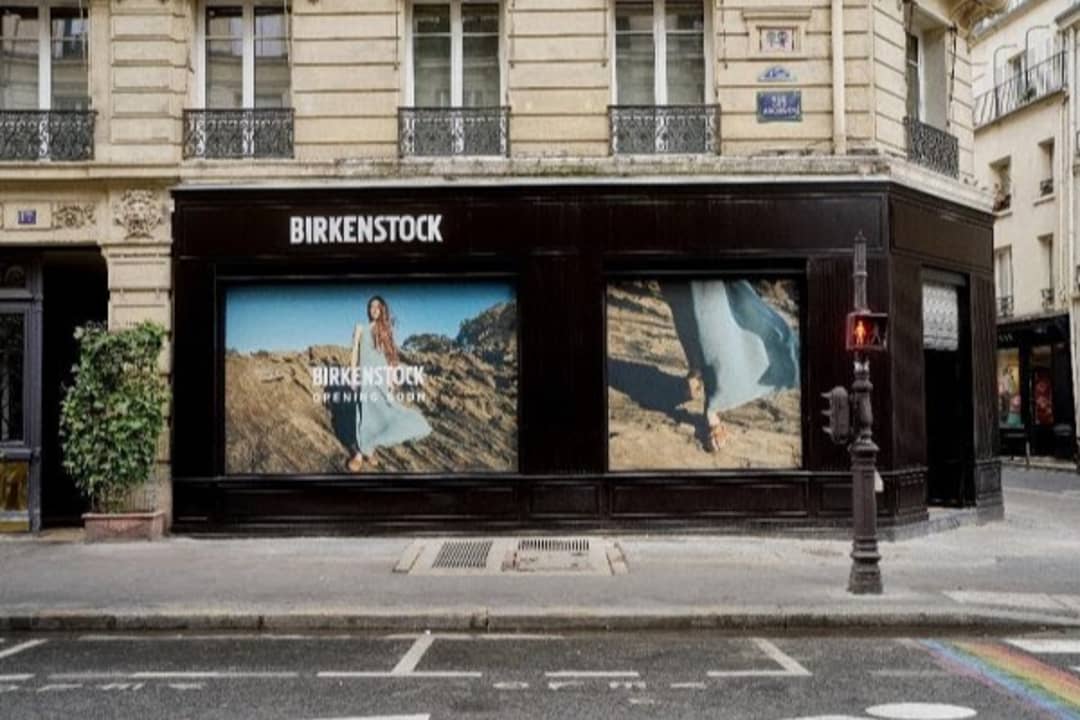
x=273, y=424
x=655, y=422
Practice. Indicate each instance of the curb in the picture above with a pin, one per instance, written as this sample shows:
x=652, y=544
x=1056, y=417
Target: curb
x=580, y=620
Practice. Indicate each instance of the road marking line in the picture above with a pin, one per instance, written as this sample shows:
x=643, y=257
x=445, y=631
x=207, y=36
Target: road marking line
x=781, y=658
x=384, y=717
x=413, y=655
x=689, y=686
x=16, y=678
x=345, y=675
x=1047, y=646
x=472, y=636
x=201, y=638
x=592, y=674
x=20, y=647
x=166, y=675
x=910, y=673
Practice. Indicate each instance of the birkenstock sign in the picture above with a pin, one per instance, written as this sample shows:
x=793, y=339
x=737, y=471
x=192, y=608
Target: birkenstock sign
x=356, y=229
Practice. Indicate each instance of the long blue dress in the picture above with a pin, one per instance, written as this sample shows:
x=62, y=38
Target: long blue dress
x=376, y=419
x=742, y=347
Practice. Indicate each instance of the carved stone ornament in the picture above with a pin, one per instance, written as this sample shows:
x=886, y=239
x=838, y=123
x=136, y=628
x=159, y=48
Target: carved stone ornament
x=73, y=216
x=139, y=212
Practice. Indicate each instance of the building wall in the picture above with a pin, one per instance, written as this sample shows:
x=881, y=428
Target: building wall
x=349, y=62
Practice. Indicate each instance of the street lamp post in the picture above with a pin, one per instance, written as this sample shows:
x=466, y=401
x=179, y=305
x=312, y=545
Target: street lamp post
x=865, y=569
x=866, y=333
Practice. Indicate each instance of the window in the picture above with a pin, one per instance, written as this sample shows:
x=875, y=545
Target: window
x=455, y=55
x=1003, y=275
x=660, y=52
x=246, y=56
x=1046, y=178
x=1000, y=171
x=1046, y=248
x=914, y=77
x=43, y=58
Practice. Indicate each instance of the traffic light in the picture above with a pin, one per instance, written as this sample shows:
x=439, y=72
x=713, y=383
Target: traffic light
x=867, y=331
x=838, y=413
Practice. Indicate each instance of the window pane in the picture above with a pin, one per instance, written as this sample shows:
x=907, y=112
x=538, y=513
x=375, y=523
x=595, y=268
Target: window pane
x=224, y=74
x=431, y=56
x=634, y=17
x=481, y=80
x=429, y=19
x=14, y=485
x=224, y=22
x=480, y=18
x=18, y=58
x=70, y=64
x=11, y=376
x=684, y=16
x=634, y=69
x=685, y=69
x=272, y=80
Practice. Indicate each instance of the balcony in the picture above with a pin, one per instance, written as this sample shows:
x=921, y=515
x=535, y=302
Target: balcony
x=664, y=129
x=1004, y=306
x=31, y=135
x=932, y=148
x=1021, y=89
x=1047, y=298
x=448, y=132
x=237, y=134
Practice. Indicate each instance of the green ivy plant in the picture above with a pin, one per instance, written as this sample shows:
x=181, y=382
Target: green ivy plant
x=114, y=412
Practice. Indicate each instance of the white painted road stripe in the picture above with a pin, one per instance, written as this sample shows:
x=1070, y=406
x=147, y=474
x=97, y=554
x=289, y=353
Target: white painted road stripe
x=1047, y=646
x=474, y=636
x=345, y=675
x=910, y=673
x=169, y=675
x=385, y=717
x=15, y=678
x=592, y=674
x=20, y=647
x=411, y=659
x=202, y=638
x=791, y=668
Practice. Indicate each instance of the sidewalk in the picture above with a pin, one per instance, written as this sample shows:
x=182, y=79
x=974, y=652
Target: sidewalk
x=1019, y=573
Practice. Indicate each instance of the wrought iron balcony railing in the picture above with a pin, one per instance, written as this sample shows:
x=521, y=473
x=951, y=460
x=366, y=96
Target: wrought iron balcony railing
x=1005, y=306
x=47, y=134
x=1046, y=187
x=1047, y=298
x=251, y=133
x=1023, y=88
x=932, y=148
x=664, y=129
x=442, y=132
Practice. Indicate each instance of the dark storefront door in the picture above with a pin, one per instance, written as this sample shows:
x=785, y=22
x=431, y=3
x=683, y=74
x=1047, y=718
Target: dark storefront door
x=75, y=292
x=947, y=427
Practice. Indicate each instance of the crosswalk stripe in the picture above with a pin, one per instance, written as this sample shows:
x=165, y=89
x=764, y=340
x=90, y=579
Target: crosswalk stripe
x=1047, y=646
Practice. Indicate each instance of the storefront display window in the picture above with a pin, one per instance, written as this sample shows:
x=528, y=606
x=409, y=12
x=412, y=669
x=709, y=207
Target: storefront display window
x=1009, y=402
x=1042, y=385
x=703, y=374
x=358, y=377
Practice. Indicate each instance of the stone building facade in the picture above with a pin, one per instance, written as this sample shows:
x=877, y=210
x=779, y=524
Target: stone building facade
x=114, y=114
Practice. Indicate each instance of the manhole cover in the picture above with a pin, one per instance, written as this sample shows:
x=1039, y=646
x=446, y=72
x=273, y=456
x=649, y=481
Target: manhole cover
x=463, y=554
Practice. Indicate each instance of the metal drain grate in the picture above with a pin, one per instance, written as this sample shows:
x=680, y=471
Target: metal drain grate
x=571, y=545
x=463, y=554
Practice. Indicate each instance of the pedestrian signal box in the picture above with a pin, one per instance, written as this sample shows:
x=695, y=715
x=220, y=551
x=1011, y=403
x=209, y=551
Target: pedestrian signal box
x=866, y=331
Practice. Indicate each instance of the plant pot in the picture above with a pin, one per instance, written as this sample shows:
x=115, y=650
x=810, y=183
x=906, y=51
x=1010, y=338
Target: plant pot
x=102, y=527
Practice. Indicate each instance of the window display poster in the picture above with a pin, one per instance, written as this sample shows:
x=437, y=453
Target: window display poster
x=357, y=377
x=1043, y=394
x=1009, y=402
x=703, y=374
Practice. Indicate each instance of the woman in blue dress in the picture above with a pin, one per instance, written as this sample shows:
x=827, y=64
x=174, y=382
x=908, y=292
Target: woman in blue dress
x=374, y=418
x=736, y=345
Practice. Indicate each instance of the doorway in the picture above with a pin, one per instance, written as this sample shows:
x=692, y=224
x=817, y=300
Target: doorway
x=75, y=292
x=948, y=391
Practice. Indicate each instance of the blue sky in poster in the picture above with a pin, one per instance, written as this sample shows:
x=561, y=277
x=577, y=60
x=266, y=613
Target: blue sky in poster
x=293, y=317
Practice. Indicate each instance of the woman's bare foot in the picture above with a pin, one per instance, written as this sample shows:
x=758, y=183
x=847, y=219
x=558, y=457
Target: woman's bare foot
x=694, y=386
x=355, y=463
x=718, y=433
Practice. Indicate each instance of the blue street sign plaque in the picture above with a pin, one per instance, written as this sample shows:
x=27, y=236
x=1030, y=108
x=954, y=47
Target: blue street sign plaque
x=779, y=106
x=776, y=73
x=27, y=217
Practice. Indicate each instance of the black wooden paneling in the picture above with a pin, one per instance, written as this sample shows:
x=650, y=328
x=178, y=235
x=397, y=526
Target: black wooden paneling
x=984, y=366
x=909, y=403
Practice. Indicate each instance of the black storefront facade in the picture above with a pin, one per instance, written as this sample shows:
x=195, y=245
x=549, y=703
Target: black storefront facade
x=555, y=384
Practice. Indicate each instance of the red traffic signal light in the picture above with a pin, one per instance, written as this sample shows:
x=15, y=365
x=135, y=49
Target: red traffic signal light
x=867, y=331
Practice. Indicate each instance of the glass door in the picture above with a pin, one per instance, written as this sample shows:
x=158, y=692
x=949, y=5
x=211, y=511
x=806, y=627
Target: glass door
x=15, y=436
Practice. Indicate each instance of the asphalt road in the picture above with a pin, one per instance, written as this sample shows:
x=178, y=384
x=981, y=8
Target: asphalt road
x=650, y=676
